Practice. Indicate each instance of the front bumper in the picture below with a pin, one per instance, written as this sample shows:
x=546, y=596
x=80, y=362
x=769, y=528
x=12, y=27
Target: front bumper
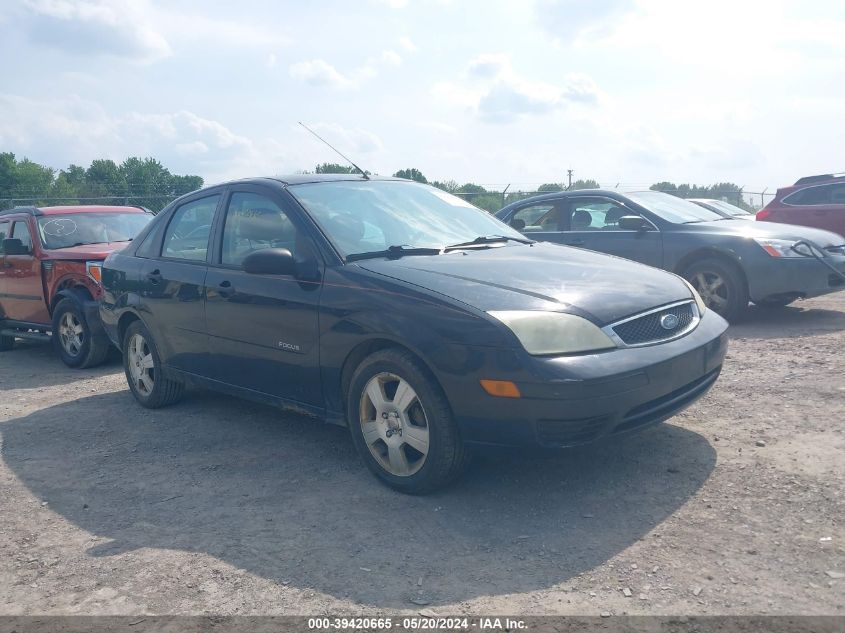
x=574, y=400
x=793, y=276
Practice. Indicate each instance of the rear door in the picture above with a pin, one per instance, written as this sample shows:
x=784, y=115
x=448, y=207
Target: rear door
x=819, y=206
x=173, y=286
x=539, y=221
x=263, y=329
x=5, y=231
x=592, y=222
x=23, y=290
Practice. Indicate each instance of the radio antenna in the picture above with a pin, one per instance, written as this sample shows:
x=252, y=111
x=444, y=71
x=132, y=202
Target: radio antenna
x=363, y=173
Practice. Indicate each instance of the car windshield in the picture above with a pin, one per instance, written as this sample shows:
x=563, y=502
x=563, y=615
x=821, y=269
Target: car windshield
x=76, y=229
x=727, y=207
x=372, y=215
x=673, y=209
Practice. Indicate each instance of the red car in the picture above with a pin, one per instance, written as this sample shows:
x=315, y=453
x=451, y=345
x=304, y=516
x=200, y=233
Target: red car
x=817, y=201
x=50, y=267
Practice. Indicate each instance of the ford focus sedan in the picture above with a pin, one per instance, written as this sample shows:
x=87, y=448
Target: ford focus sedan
x=422, y=323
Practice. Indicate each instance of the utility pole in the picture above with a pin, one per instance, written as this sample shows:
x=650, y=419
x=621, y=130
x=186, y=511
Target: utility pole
x=569, y=176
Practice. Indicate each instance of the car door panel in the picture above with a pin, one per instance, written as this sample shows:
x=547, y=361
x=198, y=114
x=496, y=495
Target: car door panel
x=24, y=291
x=263, y=329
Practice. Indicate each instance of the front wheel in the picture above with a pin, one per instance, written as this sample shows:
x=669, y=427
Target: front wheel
x=142, y=365
x=402, y=425
x=720, y=285
x=72, y=338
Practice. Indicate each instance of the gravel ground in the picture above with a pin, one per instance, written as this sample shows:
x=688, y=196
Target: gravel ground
x=225, y=507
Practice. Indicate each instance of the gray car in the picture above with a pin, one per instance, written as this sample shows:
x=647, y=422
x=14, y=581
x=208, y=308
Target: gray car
x=728, y=261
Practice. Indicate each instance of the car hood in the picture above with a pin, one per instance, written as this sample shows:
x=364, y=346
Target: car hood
x=540, y=276
x=772, y=230
x=86, y=251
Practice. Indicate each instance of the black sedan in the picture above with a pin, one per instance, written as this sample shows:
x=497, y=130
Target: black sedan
x=418, y=320
x=728, y=261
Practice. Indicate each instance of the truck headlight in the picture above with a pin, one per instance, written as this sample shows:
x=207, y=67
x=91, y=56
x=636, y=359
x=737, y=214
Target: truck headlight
x=553, y=332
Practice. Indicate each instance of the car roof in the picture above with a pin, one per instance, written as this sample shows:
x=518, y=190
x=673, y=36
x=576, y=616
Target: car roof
x=806, y=180
x=554, y=195
x=301, y=179
x=76, y=208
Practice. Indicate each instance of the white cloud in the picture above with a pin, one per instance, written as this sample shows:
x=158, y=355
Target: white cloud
x=318, y=72
x=391, y=58
x=566, y=20
x=393, y=4
x=408, y=44
x=120, y=28
x=489, y=66
x=349, y=140
x=74, y=130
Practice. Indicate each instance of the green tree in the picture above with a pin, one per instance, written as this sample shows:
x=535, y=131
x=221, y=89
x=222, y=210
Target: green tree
x=32, y=180
x=448, y=185
x=334, y=168
x=412, y=173
x=550, y=186
x=584, y=184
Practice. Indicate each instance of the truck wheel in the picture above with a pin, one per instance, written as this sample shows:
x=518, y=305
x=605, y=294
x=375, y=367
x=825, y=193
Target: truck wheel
x=720, y=285
x=6, y=342
x=72, y=338
x=402, y=425
x=142, y=364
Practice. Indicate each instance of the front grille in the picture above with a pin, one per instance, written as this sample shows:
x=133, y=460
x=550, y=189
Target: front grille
x=648, y=328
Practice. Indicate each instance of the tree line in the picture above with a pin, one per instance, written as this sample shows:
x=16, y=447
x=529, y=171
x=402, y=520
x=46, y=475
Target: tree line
x=137, y=181
x=146, y=182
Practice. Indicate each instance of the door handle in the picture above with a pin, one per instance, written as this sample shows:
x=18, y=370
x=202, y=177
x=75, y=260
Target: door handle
x=225, y=290
x=154, y=277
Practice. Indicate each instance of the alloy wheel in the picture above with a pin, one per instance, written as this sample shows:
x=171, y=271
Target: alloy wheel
x=394, y=424
x=141, y=365
x=713, y=290
x=71, y=334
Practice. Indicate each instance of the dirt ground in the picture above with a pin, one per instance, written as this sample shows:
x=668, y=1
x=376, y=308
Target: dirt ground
x=225, y=507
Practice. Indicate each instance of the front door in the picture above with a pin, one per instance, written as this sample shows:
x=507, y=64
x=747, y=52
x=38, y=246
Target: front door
x=592, y=222
x=174, y=287
x=263, y=329
x=23, y=291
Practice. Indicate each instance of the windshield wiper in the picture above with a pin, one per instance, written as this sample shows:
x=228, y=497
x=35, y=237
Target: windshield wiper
x=489, y=239
x=394, y=252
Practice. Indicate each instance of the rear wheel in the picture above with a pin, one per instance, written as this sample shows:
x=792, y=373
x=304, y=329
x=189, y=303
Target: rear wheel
x=72, y=338
x=720, y=285
x=402, y=424
x=142, y=366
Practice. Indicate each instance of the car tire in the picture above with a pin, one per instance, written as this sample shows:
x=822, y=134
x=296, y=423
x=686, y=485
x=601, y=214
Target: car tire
x=6, y=343
x=402, y=425
x=720, y=285
x=72, y=338
x=142, y=365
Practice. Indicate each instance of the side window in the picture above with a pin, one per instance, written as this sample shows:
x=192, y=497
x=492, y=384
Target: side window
x=812, y=195
x=20, y=231
x=254, y=222
x=4, y=233
x=837, y=194
x=595, y=214
x=187, y=234
x=538, y=217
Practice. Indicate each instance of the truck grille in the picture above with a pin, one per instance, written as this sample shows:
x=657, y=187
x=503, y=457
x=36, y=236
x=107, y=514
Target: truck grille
x=659, y=325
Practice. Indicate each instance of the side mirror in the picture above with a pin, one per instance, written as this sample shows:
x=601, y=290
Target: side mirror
x=13, y=246
x=270, y=261
x=518, y=224
x=632, y=223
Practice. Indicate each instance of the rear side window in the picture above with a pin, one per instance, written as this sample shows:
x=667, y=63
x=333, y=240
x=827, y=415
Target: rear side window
x=596, y=214
x=537, y=217
x=189, y=230
x=4, y=233
x=823, y=194
x=20, y=231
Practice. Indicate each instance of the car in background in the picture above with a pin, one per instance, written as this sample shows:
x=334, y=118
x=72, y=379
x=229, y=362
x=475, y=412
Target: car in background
x=725, y=209
x=728, y=261
x=50, y=275
x=405, y=313
x=816, y=201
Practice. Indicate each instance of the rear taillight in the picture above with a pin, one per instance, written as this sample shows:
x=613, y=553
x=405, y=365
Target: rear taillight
x=763, y=214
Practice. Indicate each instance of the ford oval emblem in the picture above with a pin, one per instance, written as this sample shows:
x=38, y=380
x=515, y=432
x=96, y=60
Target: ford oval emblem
x=669, y=321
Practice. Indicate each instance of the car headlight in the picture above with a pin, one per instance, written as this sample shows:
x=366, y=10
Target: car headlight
x=702, y=307
x=95, y=271
x=553, y=332
x=780, y=248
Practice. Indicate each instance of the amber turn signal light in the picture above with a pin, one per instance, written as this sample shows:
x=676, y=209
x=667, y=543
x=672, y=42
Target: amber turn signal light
x=501, y=388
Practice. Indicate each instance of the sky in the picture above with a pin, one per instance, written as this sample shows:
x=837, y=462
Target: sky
x=626, y=92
